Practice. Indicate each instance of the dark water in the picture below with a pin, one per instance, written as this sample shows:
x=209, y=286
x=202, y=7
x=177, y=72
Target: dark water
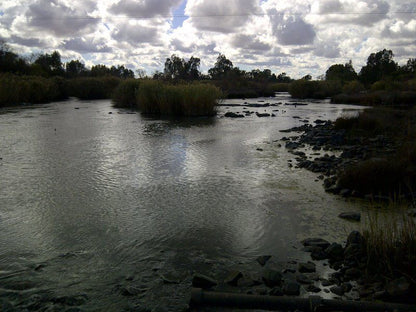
x=108, y=205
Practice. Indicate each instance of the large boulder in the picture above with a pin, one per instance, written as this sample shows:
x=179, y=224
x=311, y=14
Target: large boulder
x=315, y=242
x=272, y=278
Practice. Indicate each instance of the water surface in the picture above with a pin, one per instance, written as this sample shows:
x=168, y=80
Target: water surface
x=96, y=200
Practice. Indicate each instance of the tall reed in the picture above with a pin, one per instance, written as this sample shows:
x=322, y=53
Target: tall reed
x=196, y=99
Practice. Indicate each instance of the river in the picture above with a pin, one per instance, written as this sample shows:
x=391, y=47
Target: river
x=108, y=205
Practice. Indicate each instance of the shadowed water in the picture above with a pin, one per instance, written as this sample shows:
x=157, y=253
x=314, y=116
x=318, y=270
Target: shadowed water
x=94, y=203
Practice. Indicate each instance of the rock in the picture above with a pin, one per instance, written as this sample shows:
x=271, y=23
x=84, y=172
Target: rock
x=335, y=251
x=347, y=287
x=276, y=291
x=202, y=281
x=338, y=290
x=355, y=237
x=318, y=254
x=262, y=114
x=326, y=282
x=272, y=278
x=71, y=300
x=313, y=288
x=316, y=242
x=259, y=149
x=353, y=273
x=291, y=289
x=262, y=260
x=352, y=251
x=398, y=288
x=233, y=115
x=303, y=279
x=246, y=281
x=233, y=277
x=308, y=267
x=352, y=216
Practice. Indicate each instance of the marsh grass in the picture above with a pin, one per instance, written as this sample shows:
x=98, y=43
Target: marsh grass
x=195, y=99
x=124, y=95
x=390, y=244
x=93, y=88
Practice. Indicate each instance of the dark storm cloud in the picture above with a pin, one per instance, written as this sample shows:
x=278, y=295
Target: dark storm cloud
x=292, y=29
x=29, y=42
x=58, y=19
x=82, y=45
x=144, y=8
x=249, y=42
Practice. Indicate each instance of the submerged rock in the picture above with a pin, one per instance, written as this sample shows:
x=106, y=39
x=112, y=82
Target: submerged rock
x=352, y=216
x=316, y=242
x=272, y=278
x=262, y=260
x=308, y=267
x=203, y=281
x=233, y=115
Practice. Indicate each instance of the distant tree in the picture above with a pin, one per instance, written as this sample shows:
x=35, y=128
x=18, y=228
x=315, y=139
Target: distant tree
x=121, y=72
x=306, y=77
x=283, y=77
x=100, y=70
x=51, y=64
x=410, y=66
x=192, y=68
x=141, y=73
x=379, y=65
x=178, y=69
x=221, y=67
x=341, y=72
x=75, y=68
x=158, y=75
x=11, y=62
x=263, y=76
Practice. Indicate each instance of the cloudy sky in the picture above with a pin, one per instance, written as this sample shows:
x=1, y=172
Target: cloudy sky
x=294, y=36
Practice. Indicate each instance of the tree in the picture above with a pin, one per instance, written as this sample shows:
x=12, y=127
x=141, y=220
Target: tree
x=11, y=62
x=100, y=70
x=410, y=67
x=221, y=67
x=379, y=65
x=75, y=68
x=51, y=64
x=283, y=78
x=341, y=72
x=192, y=68
x=175, y=67
x=306, y=77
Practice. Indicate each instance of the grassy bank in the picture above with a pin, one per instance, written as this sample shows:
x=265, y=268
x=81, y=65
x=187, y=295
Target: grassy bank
x=391, y=171
x=161, y=98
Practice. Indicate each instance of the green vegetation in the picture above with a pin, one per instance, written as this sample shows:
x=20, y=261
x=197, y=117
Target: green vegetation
x=125, y=95
x=392, y=171
x=90, y=88
x=303, y=89
x=390, y=246
x=194, y=99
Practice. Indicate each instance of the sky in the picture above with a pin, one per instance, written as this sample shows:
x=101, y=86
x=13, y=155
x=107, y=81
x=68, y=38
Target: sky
x=298, y=37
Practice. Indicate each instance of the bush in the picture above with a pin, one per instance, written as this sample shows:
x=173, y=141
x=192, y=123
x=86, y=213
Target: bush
x=30, y=89
x=353, y=87
x=125, y=93
x=303, y=89
x=93, y=88
x=195, y=99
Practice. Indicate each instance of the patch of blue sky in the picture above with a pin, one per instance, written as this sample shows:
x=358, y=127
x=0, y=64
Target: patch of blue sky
x=179, y=15
x=1, y=13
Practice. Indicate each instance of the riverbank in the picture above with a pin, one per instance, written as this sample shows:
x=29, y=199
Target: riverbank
x=369, y=155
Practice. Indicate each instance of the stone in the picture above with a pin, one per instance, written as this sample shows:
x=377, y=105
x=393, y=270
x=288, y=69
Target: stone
x=355, y=237
x=291, y=289
x=318, y=254
x=338, y=290
x=203, y=281
x=262, y=114
x=308, y=267
x=233, y=277
x=233, y=115
x=335, y=251
x=326, y=282
x=276, y=291
x=316, y=242
x=262, y=260
x=272, y=278
x=313, y=288
x=352, y=216
x=398, y=287
x=303, y=279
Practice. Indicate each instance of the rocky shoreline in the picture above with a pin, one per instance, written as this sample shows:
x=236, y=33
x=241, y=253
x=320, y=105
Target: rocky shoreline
x=346, y=277
x=339, y=150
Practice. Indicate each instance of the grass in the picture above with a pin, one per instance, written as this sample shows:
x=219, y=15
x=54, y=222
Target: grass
x=303, y=89
x=194, y=99
x=382, y=172
x=93, y=88
x=390, y=246
x=125, y=93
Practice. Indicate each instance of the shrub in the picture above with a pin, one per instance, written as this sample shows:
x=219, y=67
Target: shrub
x=314, y=89
x=91, y=88
x=196, y=99
x=353, y=87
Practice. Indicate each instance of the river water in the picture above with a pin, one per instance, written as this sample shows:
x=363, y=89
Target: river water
x=108, y=204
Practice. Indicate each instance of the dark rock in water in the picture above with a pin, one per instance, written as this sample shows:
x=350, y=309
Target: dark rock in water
x=303, y=279
x=272, y=278
x=338, y=290
x=316, y=242
x=262, y=260
x=233, y=277
x=326, y=282
x=313, y=288
x=276, y=291
x=335, y=251
x=352, y=216
x=319, y=121
x=71, y=300
x=110, y=113
x=202, y=281
x=262, y=114
x=398, y=288
x=355, y=237
x=347, y=287
x=292, y=145
x=291, y=289
x=247, y=281
x=318, y=253
x=308, y=267
x=259, y=149
x=233, y=115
